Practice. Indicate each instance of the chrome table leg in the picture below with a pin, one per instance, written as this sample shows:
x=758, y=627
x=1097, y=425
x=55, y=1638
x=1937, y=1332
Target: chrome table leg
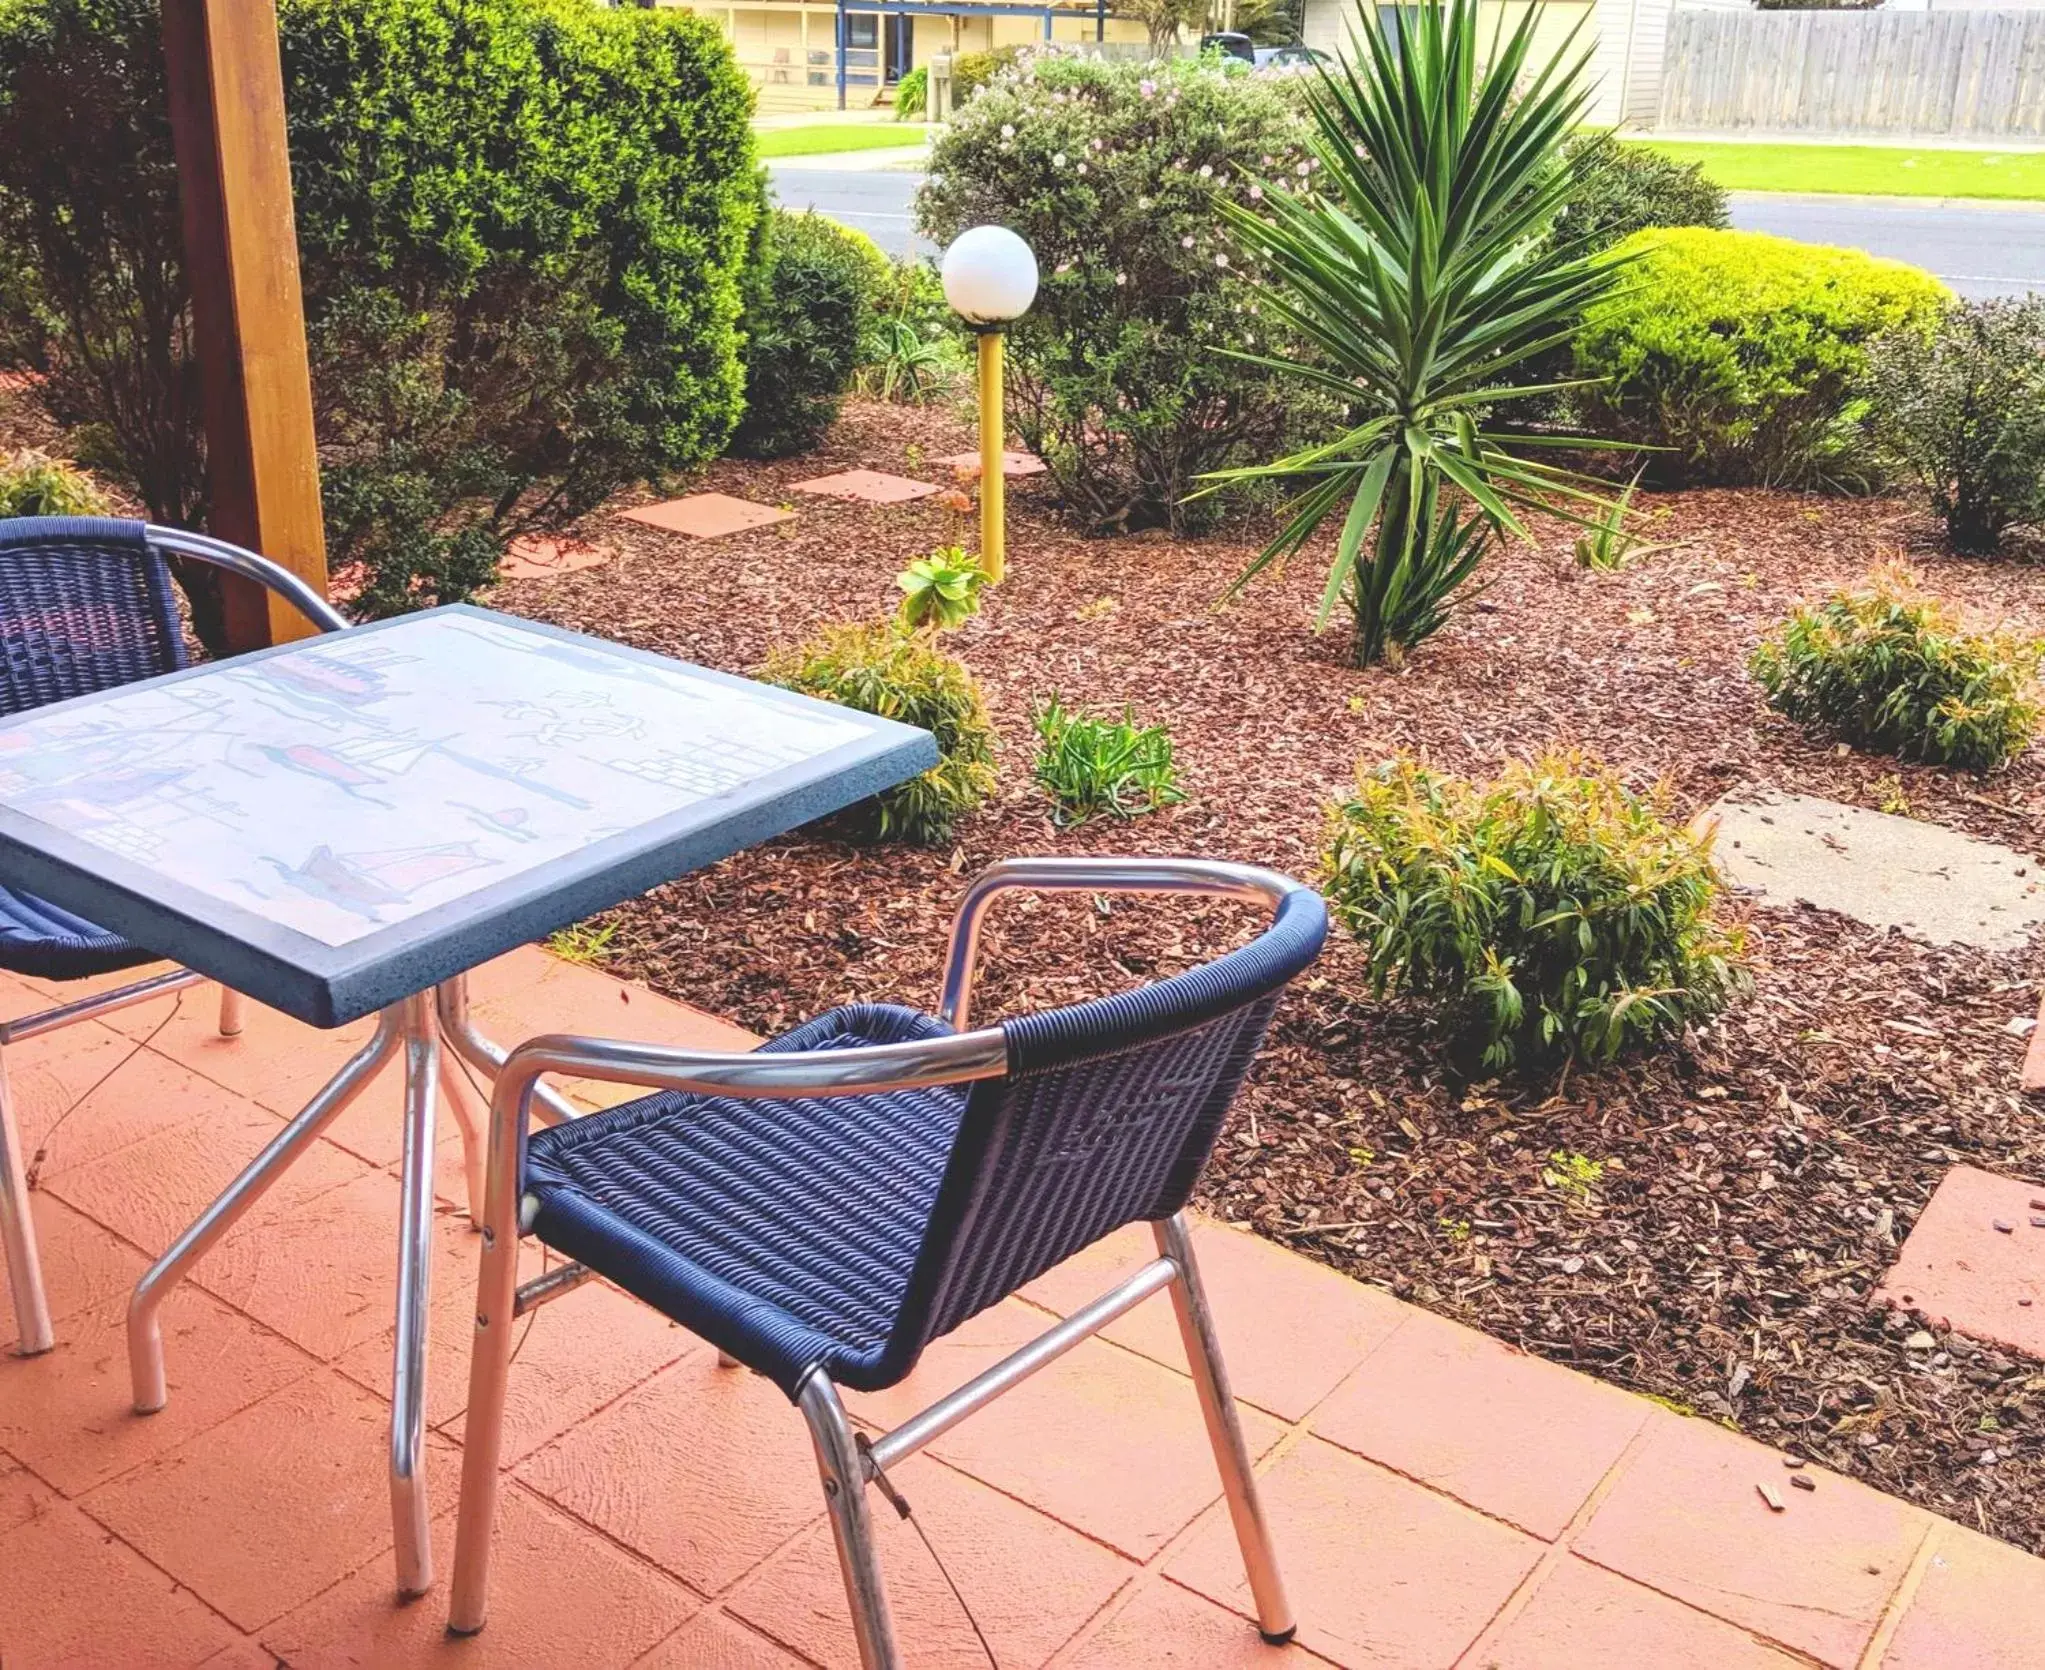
x=486, y=1056
x=415, y=1264
x=18, y=1235
x=145, y=1340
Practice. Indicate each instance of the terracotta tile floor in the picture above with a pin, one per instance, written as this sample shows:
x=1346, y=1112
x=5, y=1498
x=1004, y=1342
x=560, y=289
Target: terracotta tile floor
x=1439, y=1500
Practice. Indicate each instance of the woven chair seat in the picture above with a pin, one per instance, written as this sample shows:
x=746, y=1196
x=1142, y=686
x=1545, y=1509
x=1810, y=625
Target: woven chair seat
x=784, y=1232
x=46, y=941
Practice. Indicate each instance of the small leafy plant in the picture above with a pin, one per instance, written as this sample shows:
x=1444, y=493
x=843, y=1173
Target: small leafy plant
x=1550, y=915
x=1090, y=765
x=881, y=669
x=1573, y=1174
x=34, y=484
x=1887, y=669
x=1608, y=541
x=940, y=591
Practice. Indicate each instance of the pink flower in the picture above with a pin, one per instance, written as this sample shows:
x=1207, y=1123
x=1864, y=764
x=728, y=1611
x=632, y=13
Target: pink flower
x=1147, y=88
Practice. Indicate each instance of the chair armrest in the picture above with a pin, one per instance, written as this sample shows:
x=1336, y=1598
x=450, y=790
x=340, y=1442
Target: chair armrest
x=1092, y=875
x=953, y=1058
x=177, y=542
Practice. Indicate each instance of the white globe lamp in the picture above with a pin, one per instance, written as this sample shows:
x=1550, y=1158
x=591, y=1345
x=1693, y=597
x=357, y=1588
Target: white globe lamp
x=990, y=279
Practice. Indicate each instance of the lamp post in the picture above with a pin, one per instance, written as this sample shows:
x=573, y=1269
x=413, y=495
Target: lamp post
x=990, y=279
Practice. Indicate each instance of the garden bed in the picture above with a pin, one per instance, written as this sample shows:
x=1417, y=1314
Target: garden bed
x=1755, y=1187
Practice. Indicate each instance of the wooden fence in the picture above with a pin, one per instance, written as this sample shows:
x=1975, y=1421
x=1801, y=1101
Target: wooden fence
x=1968, y=74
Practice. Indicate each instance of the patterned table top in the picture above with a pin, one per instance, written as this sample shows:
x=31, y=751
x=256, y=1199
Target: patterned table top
x=338, y=822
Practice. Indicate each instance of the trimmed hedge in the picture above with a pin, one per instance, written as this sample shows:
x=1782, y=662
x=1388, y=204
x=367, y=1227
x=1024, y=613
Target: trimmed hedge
x=810, y=305
x=521, y=226
x=1741, y=353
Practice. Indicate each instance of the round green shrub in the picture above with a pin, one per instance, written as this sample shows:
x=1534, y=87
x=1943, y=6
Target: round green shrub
x=1112, y=173
x=1888, y=670
x=521, y=226
x=33, y=484
x=1742, y=353
x=1624, y=189
x=912, y=94
x=810, y=307
x=1550, y=915
x=900, y=675
x=1961, y=412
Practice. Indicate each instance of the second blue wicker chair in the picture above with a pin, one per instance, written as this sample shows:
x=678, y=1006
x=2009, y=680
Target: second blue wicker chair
x=822, y=1209
x=86, y=603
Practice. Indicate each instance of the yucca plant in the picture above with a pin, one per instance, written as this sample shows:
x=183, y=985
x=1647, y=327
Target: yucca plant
x=1414, y=261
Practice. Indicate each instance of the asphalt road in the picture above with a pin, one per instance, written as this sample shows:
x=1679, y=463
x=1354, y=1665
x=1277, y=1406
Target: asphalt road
x=1980, y=249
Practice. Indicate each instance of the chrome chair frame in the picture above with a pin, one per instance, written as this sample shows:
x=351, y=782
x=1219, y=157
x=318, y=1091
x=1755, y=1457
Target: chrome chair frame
x=17, y=1228
x=846, y=1464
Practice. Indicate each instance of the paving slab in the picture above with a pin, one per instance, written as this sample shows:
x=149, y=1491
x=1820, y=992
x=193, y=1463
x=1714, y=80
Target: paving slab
x=706, y=515
x=1932, y=883
x=1012, y=463
x=869, y=487
x=534, y=556
x=1957, y=1268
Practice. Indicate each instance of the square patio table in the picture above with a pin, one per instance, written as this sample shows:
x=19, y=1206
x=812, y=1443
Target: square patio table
x=350, y=823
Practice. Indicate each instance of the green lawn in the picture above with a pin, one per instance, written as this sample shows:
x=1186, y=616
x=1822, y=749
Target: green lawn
x=1890, y=170
x=840, y=136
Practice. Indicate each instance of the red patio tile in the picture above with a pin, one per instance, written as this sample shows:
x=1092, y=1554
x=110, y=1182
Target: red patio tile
x=146, y=1095
x=1958, y=1269
x=559, y=1595
x=1013, y=463
x=84, y=1266
x=70, y=1414
x=48, y=1075
x=1518, y=1438
x=713, y=1641
x=1584, y=1618
x=273, y=1505
x=72, y=1598
x=1380, y=1570
x=22, y=1496
x=149, y=1191
x=703, y=1470
x=275, y=1061
x=1109, y=1442
x=706, y=515
x=1031, y=1583
x=574, y=1355
x=1685, y=1517
x=1290, y=1329
x=1165, y=1627
x=324, y=1275
x=1979, y=1607
x=535, y=556
x=869, y=487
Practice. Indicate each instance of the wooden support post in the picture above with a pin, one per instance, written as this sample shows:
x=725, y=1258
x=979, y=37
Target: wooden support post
x=241, y=254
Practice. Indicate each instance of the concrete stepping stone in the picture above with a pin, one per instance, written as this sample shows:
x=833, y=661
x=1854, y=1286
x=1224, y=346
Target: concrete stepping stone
x=1975, y=1262
x=533, y=556
x=1012, y=463
x=869, y=487
x=1934, y=884
x=706, y=515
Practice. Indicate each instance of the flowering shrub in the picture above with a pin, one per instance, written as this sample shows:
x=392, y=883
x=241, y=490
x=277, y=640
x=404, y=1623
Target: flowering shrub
x=1113, y=173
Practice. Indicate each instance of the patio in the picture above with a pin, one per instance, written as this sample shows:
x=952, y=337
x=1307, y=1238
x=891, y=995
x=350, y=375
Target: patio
x=1439, y=1499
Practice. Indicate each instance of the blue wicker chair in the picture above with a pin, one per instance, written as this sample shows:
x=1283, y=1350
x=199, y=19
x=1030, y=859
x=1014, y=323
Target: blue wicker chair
x=86, y=603
x=822, y=1209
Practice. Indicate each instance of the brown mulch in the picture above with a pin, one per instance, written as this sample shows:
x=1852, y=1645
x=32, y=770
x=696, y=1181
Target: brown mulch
x=1755, y=1184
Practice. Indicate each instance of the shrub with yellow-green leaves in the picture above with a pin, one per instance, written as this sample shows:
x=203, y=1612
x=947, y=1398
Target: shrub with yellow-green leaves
x=1550, y=915
x=1889, y=670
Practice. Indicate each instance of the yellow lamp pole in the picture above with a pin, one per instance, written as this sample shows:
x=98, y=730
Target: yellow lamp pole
x=993, y=478
x=990, y=278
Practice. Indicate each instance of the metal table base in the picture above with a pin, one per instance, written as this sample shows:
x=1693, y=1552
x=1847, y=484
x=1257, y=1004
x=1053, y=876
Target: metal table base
x=420, y=1027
